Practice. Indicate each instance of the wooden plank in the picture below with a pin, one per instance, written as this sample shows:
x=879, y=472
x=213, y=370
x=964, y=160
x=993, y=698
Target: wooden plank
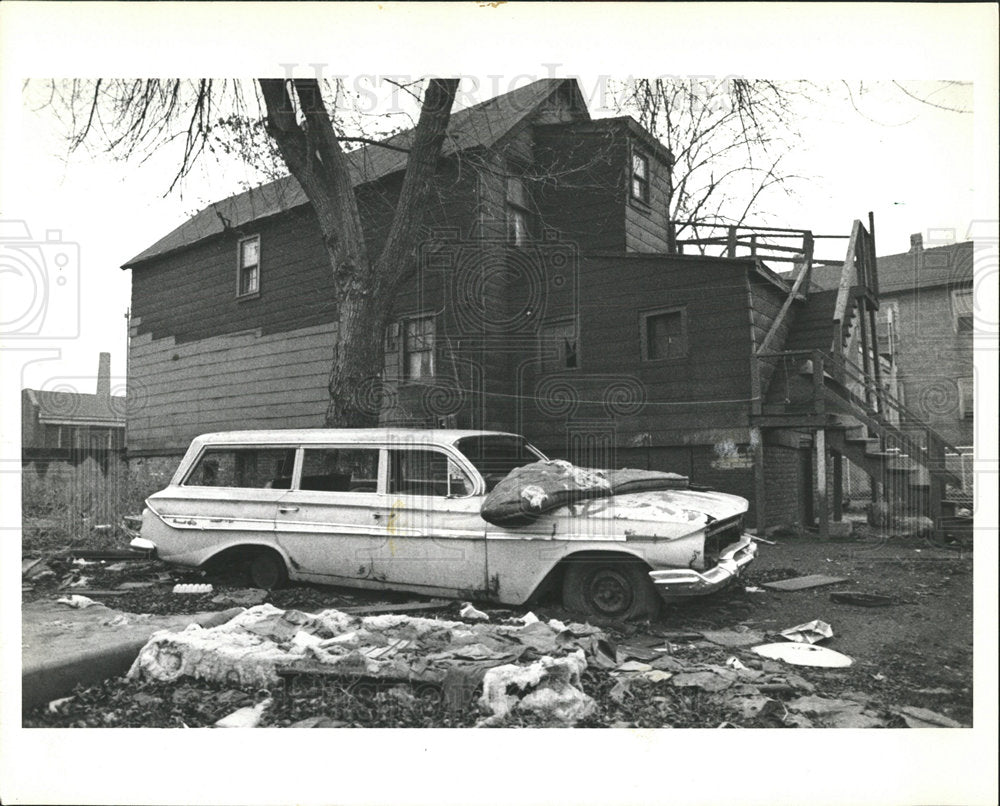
x=803, y=583
x=402, y=607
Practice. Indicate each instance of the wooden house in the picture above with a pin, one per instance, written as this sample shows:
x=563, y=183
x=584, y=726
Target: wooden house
x=549, y=298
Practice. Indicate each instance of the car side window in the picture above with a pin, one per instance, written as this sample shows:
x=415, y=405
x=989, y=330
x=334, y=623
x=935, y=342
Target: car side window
x=426, y=472
x=258, y=468
x=340, y=470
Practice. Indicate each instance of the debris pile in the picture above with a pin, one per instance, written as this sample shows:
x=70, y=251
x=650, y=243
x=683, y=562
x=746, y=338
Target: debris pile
x=524, y=665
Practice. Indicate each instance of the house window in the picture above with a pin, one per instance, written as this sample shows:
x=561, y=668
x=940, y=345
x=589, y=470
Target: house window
x=663, y=334
x=518, y=212
x=963, y=311
x=418, y=348
x=966, y=398
x=640, y=177
x=248, y=279
x=558, y=345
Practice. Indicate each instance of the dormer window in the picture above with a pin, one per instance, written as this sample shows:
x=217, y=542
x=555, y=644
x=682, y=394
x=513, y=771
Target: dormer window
x=248, y=267
x=640, y=177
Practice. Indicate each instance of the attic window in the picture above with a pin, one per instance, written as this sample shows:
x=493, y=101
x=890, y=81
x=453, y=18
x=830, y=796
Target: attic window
x=640, y=177
x=518, y=212
x=248, y=267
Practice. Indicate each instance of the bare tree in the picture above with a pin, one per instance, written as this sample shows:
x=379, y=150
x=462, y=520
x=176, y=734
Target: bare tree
x=290, y=122
x=729, y=138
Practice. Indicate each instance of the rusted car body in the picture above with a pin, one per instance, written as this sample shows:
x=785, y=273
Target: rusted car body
x=400, y=509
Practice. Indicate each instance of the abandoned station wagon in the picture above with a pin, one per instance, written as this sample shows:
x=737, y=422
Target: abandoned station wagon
x=401, y=509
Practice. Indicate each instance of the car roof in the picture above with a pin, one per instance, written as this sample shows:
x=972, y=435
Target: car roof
x=439, y=436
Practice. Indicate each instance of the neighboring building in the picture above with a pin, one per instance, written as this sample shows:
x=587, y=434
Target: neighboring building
x=550, y=300
x=56, y=420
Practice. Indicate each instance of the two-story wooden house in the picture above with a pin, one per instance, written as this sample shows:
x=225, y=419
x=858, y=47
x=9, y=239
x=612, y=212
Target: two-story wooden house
x=549, y=298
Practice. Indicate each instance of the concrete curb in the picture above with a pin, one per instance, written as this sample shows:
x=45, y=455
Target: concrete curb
x=58, y=672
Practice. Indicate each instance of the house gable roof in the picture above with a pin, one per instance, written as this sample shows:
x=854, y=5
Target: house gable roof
x=482, y=125
x=75, y=407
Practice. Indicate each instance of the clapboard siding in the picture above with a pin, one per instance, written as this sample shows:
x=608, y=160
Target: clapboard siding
x=767, y=302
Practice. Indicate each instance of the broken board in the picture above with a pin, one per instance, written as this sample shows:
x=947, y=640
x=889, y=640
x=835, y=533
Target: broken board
x=801, y=583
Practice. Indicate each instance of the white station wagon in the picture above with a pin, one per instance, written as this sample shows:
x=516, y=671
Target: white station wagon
x=399, y=509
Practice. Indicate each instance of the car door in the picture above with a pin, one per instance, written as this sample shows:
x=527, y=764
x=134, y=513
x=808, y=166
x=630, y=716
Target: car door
x=329, y=521
x=432, y=535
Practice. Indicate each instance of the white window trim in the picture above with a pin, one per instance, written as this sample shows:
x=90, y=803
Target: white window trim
x=240, y=267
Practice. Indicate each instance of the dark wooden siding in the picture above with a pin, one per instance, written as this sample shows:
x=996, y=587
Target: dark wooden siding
x=699, y=399
x=583, y=194
x=767, y=299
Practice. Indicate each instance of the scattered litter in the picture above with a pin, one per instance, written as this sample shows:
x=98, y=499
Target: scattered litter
x=102, y=527
x=753, y=589
x=77, y=601
x=319, y=722
x=620, y=689
x=633, y=666
x=837, y=713
x=528, y=618
x=82, y=562
x=245, y=597
x=120, y=620
x=925, y=718
x=811, y=632
x=861, y=599
x=82, y=582
x=470, y=612
x=55, y=705
x=656, y=675
x=248, y=717
x=193, y=588
x=433, y=604
x=36, y=569
x=802, y=583
x=549, y=687
x=715, y=679
x=128, y=586
x=637, y=652
x=735, y=663
x=733, y=638
x=804, y=655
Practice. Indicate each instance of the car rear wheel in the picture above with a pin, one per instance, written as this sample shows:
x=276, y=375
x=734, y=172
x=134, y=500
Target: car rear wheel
x=610, y=589
x=267, y=570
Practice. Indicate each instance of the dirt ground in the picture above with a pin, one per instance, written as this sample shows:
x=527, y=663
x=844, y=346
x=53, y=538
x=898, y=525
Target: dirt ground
x=916, y=650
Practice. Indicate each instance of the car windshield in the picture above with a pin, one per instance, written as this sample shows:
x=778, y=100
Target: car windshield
x=496, y=455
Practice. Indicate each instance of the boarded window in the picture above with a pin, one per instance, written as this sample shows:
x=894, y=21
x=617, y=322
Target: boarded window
x=640, y=177
x=418, y=348
x=963, y=311
x=260, y=468
x=340, y=470
x=248, y=280
x=426, y=472
x=558, y=346
x=663, y=334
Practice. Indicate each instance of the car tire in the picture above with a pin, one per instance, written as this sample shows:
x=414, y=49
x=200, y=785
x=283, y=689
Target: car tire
x=267, y=570
x=618, y=590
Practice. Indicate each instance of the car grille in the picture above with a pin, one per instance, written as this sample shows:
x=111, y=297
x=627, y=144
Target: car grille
x=720, y=534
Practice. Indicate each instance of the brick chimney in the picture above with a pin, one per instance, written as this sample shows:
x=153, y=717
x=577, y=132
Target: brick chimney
x=916, y=243
x=104, y=378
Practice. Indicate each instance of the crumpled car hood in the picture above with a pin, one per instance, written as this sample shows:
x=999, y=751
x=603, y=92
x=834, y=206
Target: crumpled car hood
x=688, y=507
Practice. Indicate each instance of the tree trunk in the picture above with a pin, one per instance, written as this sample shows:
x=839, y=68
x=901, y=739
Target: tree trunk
x=364, y=288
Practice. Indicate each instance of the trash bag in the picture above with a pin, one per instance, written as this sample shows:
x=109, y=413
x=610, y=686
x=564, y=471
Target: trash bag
x=530, y=490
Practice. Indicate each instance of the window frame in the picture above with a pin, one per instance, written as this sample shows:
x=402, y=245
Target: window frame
x=405, y=352
x=966, y=387
x=218, y=447
x=473, y=479
x=517, y=206
x=240, y=268
x=645, y=181
x=544, y=343
x=958, y=315
x=649, y=313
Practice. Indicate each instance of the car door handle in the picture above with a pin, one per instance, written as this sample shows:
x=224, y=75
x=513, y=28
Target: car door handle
x=377, y=515
x=288, y=509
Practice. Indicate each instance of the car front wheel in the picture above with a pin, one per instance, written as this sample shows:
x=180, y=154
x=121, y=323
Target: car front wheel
x=610, y=589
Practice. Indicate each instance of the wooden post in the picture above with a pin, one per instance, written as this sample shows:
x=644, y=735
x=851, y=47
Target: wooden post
x=818, y=369
x=760, y=490
x=731, y=243
x=819, y=446
x=838, y=487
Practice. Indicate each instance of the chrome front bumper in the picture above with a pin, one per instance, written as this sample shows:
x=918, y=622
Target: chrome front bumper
x=682, y=582
x=144, y=546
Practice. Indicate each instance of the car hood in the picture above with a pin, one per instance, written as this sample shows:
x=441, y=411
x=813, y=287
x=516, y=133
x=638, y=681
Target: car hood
x=683, y=507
